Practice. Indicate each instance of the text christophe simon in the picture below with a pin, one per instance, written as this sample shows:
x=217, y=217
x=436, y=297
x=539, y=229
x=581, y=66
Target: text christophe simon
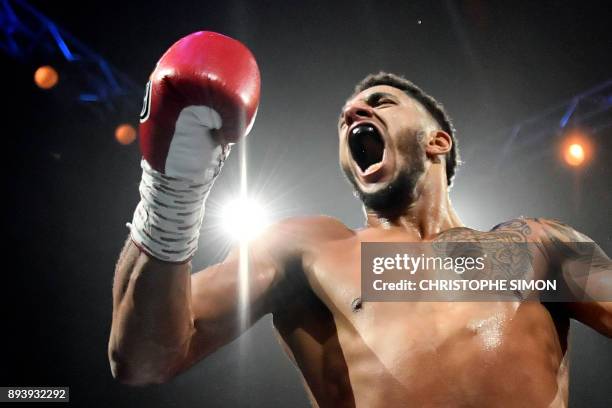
x=411, y=264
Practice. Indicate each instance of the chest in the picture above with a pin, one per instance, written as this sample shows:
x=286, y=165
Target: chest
x=404, y=338
x=336, y=273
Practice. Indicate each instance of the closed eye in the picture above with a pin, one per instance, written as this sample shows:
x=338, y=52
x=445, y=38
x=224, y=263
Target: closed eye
x=379, y=99
x=385, y=101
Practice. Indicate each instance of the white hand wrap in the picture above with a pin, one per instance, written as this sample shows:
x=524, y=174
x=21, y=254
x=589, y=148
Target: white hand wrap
x=167, y=220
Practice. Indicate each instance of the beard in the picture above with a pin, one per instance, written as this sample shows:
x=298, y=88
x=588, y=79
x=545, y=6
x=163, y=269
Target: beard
x=400, y=193
x=392, y=200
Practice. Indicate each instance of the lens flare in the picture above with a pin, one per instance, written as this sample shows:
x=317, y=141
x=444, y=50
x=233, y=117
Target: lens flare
x=244, y=218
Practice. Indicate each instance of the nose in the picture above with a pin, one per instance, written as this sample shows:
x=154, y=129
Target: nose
x=356, y=111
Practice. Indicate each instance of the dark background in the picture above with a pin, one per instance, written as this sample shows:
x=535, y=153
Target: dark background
x=70, y=188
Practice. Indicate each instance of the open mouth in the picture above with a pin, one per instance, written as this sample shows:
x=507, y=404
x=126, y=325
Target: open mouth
x=367, y=147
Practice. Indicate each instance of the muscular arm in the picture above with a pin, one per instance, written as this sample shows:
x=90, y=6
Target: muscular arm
x=586, y=270
x=201, y=96
x=165, y=320
x=152, y=317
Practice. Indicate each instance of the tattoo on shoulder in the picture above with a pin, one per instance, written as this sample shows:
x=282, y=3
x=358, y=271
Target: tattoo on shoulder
x=564, y=242
x=557, y=230
x=518, y=226
x=505, y=246
x=517, y=230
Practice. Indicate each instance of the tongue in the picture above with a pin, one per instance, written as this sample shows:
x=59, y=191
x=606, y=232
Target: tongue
x=373, y=168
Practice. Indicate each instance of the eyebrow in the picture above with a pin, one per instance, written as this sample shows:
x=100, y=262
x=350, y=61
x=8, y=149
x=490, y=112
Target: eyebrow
x=372, y=99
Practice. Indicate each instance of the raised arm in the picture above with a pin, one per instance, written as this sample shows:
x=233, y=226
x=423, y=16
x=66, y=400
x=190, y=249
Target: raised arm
x=585, y=269
x=202, y=96
x=164, y=319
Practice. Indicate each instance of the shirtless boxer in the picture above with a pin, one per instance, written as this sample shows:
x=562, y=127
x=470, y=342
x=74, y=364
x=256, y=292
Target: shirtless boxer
x=398, y=149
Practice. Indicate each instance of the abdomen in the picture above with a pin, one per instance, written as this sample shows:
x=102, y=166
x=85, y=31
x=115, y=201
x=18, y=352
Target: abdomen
x=453, y=354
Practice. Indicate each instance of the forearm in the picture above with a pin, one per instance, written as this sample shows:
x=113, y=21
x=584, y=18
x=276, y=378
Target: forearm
x=152, y=318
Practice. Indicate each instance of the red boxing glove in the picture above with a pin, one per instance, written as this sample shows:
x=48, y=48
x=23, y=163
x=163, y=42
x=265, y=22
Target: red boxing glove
x=204, y=82
x=206, y=70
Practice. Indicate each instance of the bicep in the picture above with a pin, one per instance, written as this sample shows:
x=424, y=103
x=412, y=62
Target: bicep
x=231, y=296
x=584, y=266
x=587, y=272
x=589, y=277
x=228, y=298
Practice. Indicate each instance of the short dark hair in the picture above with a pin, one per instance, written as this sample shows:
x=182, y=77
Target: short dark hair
x=435, y=109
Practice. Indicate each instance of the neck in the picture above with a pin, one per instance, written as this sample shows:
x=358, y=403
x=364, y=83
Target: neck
x=429, y=215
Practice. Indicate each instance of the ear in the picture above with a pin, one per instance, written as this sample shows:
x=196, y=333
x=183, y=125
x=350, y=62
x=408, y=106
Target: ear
x=439, y=143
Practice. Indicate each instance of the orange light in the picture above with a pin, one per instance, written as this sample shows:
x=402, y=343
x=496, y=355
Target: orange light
x=46, y=77
x=576, y=148
x=125, y=134
x=574, y=155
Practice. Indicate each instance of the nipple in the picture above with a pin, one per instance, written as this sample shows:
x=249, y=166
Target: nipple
x=356, y=305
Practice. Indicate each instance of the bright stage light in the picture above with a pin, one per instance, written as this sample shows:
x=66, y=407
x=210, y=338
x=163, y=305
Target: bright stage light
x=46, y=77
x=574, y=156
x=125, y=134
x=244, y=218
x=576, y=148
